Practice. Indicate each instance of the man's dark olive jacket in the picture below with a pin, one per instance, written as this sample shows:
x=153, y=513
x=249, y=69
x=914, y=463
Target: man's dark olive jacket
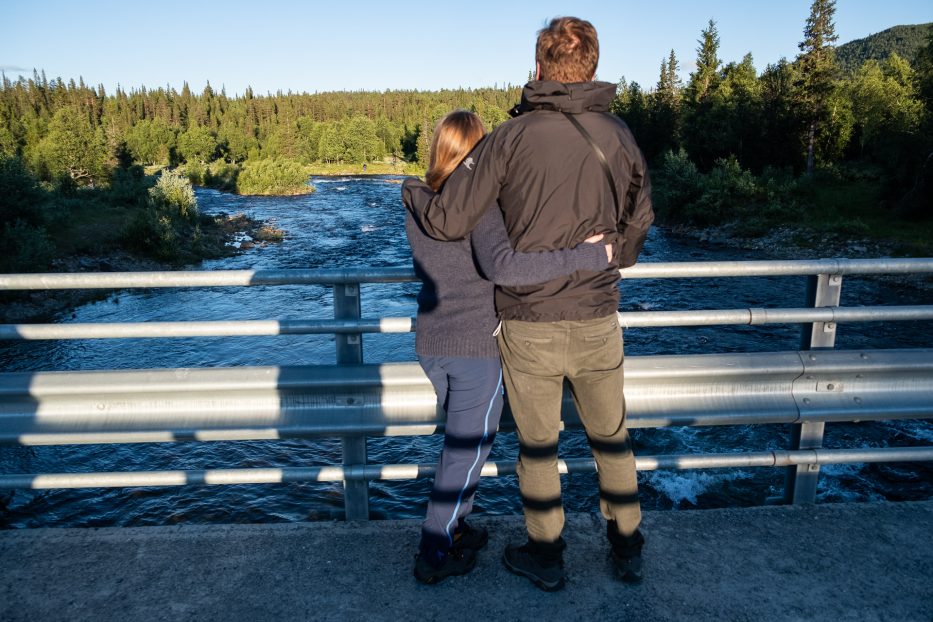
x=553, y=193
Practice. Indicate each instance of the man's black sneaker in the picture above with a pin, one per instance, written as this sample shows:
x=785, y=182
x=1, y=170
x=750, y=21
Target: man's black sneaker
x=432, y=567
x=542, y=563
x=467, y=536
x=626, y=553
x=628, y=568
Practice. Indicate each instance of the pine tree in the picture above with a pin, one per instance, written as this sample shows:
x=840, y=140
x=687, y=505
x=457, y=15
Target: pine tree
x=818, y=69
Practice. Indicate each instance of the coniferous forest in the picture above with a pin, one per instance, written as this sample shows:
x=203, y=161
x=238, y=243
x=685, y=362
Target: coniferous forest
x=735, y=143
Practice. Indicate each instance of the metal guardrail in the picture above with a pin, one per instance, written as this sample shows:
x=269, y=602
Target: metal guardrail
x=629, y=319
x=371, y=472
x=397, y=274
x=396, y=399
x=805, y=389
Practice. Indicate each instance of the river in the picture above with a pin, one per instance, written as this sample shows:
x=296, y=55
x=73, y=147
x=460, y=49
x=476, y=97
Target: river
x=358, y=222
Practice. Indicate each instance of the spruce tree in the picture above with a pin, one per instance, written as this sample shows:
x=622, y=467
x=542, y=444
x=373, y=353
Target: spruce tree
x=704, y=79
x=665, y=109
x=425, y=138
x=699, y=118
x=783, y=127
x=818, y=69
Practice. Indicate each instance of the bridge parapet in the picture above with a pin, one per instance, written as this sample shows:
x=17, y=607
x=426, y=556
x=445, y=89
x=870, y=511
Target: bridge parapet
x=806, y=388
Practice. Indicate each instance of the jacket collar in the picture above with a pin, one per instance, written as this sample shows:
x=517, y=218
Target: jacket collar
x=574, y=98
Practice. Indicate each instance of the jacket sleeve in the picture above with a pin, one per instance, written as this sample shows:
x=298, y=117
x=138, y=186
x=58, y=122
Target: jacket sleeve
x=636, y=215
x=504, y=266
x=473, y=186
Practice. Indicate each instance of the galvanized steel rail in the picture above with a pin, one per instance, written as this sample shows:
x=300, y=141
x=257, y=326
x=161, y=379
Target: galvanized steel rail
x=805, y=388
x=211, y=278
x=372, y=472
x=396, y=399
x=351, y=276
x=242, y=278
x=628, y=319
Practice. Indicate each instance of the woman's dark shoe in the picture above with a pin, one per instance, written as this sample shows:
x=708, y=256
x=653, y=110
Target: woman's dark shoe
x=467, y=536
x=540, y=562
x=433, y=566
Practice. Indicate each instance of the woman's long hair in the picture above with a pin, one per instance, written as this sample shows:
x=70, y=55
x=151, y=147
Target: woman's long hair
x=455, y=135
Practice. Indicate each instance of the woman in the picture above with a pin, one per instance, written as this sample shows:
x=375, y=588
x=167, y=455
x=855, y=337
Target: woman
x=456, y=345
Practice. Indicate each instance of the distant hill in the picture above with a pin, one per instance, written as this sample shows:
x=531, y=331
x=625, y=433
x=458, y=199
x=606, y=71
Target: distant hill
x=905, y=40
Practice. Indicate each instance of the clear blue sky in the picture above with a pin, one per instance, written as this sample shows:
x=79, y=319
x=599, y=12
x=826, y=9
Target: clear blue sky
x=358, y=44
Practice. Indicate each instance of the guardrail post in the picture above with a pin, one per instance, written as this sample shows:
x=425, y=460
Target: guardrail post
x=823, y=290
x=350, y=352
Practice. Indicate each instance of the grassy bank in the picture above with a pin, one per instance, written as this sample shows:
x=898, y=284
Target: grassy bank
x=372, y=168
x=283, y=177
x=858, y=208
x=838, y=203
x=252, y=178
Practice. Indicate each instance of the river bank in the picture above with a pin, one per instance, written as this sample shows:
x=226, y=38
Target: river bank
x=791, y=242
x=283, y=178
x=221, y=235
x=398, y=167
x=796, y=243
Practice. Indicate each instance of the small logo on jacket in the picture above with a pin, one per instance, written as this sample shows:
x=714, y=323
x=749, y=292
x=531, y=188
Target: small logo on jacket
x=468, y=163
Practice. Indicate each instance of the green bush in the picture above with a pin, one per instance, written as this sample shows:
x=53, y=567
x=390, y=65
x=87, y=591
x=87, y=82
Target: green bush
x=26, y=248
x=128, y=187
x=170, y=218
x=222, y=176
x=728, y=194
x=174, y=195
x=196, y=172
x=218, y=174
x=677, y=184
x=273, y=177
x=727, y=191
x=153, y=234
x=21, y=198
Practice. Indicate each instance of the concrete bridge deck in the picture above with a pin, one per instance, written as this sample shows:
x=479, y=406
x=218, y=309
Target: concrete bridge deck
x=833, y=562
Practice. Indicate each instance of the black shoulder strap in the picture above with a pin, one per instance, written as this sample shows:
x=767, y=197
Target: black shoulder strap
x=599, y=156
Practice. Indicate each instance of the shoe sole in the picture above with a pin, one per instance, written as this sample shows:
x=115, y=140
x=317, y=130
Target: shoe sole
x=538, y=581
x=433, y=579
x=628, y=577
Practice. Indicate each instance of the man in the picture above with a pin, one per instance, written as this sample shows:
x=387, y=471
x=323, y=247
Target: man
x=556, y=184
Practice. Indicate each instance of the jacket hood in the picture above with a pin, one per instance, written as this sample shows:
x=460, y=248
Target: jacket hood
x=574, y=98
